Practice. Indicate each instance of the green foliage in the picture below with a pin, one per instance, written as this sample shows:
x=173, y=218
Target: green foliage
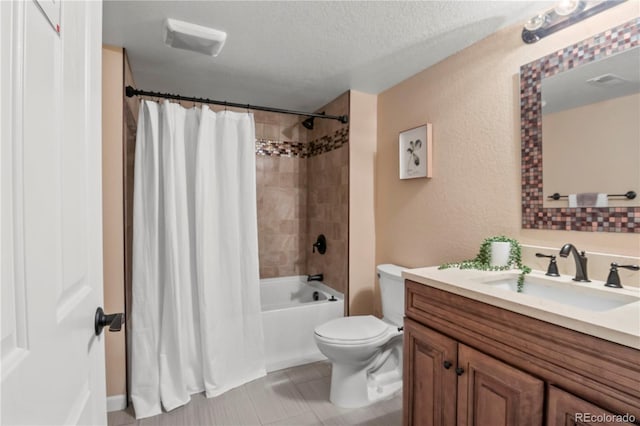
x=482, y=261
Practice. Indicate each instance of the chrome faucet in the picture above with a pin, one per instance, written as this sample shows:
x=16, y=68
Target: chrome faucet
x=581, y=262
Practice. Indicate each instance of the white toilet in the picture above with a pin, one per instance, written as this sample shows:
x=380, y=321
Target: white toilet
x=366, y=352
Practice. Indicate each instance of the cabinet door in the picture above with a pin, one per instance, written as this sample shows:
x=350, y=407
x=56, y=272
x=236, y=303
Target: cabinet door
x=429, y=377
x=564, y=409
x=493, y=393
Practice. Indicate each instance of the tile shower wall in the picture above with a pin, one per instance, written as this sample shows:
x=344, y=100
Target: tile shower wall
x=328, y=213
x=328, y=199
x=282, y=215
x=281, y=186
x=302, y=189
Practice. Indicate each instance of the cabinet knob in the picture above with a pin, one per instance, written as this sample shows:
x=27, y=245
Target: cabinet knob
x=447, y=365
x=459, y=371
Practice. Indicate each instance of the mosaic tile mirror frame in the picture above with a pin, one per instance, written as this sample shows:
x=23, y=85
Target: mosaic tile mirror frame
x=534, y=215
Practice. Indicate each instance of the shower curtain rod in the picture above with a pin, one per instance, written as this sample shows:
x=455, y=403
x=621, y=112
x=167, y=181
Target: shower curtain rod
x=131, y=91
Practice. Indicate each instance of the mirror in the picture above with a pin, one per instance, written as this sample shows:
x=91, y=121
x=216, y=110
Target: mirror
x=536, y=85
x=590, y=131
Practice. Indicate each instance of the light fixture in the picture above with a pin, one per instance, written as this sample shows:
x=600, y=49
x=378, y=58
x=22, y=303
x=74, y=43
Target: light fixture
x=567, y=7
x=536, y=22
x=196, y=38
x=565, y=13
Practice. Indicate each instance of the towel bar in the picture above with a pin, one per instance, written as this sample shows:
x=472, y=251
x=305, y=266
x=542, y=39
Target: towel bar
x=630, y=195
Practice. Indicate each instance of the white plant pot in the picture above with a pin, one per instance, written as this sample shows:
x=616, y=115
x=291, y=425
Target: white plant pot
x=500, y=253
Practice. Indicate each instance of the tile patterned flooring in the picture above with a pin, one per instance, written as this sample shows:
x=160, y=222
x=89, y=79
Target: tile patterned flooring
x=297, y=396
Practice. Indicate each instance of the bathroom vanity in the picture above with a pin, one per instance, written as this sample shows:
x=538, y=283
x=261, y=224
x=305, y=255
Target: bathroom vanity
x=476, y=353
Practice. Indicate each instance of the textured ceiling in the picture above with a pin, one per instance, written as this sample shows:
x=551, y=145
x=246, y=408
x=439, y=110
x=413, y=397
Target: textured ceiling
x=301, y=54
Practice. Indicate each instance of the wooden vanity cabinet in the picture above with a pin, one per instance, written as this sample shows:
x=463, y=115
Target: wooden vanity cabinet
x=448, y=381
x=430, y=381
x=565, y=409
x=491, y=392
x=470, y=363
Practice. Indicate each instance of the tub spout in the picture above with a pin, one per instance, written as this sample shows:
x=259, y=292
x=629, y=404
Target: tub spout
x=316, y=277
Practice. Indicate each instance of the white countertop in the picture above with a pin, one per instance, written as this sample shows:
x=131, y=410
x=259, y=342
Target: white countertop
x=620, y=325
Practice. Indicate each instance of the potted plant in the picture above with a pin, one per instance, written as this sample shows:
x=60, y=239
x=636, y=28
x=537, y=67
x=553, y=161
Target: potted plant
x=483, y=260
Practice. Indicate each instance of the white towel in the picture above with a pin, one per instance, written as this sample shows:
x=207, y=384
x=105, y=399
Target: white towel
x=602, y=201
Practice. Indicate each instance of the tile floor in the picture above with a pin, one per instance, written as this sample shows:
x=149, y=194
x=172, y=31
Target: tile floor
x=297, y=396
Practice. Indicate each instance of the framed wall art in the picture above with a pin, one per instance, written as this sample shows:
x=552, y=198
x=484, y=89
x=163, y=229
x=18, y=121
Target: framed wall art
x=415, y=153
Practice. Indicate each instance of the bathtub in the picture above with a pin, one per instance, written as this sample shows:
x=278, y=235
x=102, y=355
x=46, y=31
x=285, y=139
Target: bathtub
x=291, y=310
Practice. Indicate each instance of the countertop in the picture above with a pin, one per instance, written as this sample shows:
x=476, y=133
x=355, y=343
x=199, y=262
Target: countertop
x=620, y=324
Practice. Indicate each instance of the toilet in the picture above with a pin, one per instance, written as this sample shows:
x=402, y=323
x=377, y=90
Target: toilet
x=366, y=352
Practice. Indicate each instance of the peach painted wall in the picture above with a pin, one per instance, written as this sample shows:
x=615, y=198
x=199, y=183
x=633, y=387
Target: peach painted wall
x=364, y=295
x=472, y=99
x=112, y=212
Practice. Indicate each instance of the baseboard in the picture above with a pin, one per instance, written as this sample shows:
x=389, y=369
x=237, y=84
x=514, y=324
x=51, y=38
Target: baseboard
x=116, y=403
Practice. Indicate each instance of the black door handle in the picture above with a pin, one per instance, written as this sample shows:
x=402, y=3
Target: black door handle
x=114, y=321
x=447, y=365
x=459, y=371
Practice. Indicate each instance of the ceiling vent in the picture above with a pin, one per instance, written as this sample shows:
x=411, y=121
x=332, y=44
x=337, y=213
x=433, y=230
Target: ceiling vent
x=606, y=80
x=196, y=38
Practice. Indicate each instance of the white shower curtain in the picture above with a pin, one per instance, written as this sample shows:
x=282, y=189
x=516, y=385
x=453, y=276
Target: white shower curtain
x=195, y=322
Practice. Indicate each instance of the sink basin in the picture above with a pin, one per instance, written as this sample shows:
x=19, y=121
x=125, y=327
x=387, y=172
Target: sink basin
x=591, y=299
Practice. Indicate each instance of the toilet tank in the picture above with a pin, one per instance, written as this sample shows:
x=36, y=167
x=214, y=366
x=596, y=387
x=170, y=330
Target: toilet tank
x=392, y=292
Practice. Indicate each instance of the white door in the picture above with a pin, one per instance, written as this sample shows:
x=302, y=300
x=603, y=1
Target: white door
x=52, y=364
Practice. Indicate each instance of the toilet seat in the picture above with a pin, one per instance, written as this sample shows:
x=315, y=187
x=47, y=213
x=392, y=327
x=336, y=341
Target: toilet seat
x=356, y=330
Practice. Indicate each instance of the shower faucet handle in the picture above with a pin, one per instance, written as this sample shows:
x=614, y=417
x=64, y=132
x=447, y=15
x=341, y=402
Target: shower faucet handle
x=320, y=244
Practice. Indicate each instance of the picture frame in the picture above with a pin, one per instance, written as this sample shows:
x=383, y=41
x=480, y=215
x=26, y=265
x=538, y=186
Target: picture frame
x=415, y=152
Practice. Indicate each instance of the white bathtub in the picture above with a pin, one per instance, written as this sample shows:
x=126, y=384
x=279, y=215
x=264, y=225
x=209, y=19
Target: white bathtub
x=290, y=314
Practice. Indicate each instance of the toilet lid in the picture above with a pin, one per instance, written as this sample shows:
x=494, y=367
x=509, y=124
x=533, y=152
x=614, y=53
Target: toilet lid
x=362, y=327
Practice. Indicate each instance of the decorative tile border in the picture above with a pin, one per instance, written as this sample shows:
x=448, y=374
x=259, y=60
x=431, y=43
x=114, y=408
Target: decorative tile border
x=273, y=148
x=319, y=146
x=330, y=142
x=534, y=215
